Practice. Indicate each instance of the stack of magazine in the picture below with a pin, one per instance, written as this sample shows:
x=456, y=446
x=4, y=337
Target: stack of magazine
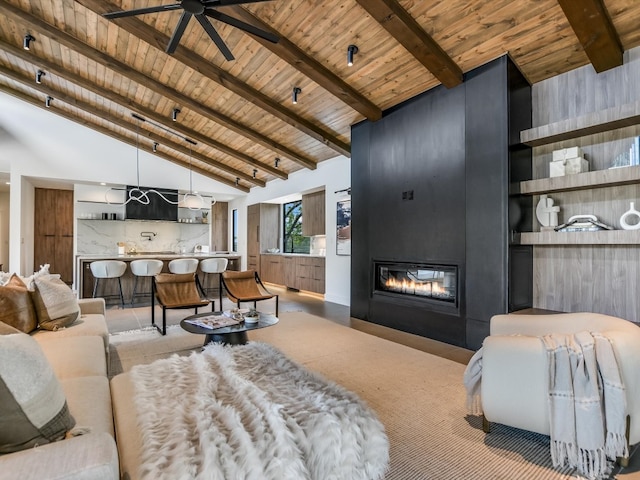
x=213, y=321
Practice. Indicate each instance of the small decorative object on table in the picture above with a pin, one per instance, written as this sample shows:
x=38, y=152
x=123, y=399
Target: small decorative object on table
x=252, y=316
x=205, y=216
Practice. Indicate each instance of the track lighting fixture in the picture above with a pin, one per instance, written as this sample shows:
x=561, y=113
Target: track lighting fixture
x=28, y=38
x=351, y=50
x=255, y=172
x=155, y=147
x=39, y=75
x=237, y=181
x=277, y=162
x=174, y=114
x=295, y=93
x=47, y=102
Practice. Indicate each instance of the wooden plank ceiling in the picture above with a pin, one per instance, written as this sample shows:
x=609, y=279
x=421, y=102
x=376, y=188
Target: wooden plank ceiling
x=240, y=113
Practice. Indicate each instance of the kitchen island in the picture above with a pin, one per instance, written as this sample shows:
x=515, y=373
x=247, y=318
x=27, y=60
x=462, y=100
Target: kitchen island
x=85, y=279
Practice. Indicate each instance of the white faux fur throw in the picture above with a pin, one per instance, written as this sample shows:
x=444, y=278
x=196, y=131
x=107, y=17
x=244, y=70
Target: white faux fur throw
x=248, y=412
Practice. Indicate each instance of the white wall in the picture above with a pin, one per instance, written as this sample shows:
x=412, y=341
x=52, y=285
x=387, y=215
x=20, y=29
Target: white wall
x=333, y=175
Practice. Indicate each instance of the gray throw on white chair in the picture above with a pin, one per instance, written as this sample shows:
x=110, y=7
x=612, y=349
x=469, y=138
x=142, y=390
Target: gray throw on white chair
x=212, y=266
x=145, y=268
x=106, y=270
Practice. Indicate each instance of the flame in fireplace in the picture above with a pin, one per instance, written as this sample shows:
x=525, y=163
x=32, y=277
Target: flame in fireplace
x=409, y=286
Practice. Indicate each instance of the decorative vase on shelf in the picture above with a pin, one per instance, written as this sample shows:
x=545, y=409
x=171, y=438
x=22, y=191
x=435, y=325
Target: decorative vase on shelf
x=632, y=212
x=205, y=217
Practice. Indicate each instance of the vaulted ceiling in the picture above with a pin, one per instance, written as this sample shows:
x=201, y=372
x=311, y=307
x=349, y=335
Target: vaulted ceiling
x=237, y=117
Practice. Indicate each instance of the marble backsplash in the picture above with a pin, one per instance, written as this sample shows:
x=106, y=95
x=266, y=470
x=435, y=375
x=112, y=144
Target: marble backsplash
x=102, y=236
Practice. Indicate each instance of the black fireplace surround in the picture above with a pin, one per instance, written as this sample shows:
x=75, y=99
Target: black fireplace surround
x=430, y=189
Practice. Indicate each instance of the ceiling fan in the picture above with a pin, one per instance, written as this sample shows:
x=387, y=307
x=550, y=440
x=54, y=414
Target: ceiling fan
x=201, y=9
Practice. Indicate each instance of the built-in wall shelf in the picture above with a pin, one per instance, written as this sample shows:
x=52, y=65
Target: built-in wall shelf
x=589, y=124
x=602, y=237
x=582, y=181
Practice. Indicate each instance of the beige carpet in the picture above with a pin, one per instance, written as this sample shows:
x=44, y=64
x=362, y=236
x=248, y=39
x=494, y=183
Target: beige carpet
x=418, y=397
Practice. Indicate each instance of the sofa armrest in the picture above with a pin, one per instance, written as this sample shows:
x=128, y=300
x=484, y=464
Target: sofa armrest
x=88, y=457
x=92, y=305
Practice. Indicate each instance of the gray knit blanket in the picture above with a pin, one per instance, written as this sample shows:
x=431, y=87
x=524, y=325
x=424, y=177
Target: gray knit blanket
x=248, y=412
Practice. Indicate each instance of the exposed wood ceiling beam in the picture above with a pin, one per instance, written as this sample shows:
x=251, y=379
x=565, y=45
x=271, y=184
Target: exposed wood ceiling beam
x=595, y=31
x=49, y=66
x=313, y=69
x=105, y=131
x=154, y=38
x=397, y=21
x=150, y=83
x=130, y=126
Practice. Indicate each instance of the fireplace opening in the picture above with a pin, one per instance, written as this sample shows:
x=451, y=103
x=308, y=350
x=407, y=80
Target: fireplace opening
x=433, y=282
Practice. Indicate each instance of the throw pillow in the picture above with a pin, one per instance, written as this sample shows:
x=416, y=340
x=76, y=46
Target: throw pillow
x=7, y=329
x=34, y=409
x=56, y=305
x=16, y=307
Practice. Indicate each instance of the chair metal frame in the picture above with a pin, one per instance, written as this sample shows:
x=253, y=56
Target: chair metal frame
x=260, y=293
x=184, y=279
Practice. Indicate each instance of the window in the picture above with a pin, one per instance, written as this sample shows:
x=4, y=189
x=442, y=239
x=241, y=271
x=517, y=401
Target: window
x=293, y=241
x=234, y=230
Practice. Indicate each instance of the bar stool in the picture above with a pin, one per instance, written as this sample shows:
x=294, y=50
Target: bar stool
x=107, y=269
x=213, y=265
x=183, y=265
x=144, y=268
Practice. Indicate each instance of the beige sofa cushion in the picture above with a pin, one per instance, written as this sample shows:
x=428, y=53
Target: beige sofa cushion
x=56, y=305
x=34, y=408
x=16, y=307
x=89, y=400
x=87, y=325
x=125, y=417
x=74, y=356
x=88, y=457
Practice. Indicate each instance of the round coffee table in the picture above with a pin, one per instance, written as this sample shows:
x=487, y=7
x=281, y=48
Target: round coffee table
x=232, y=334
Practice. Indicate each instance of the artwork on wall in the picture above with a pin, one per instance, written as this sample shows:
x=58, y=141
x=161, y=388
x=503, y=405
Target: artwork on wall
x=343, y=228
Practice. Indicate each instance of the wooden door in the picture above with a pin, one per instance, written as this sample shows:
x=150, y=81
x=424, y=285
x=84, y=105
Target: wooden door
x=53, y=232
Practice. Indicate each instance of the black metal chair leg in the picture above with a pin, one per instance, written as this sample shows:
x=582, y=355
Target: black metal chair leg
x=220, y=284
x=121, y=294
x=95, y=287
x=164, y=321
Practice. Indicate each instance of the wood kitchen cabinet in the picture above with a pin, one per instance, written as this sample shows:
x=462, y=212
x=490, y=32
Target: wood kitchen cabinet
x=313, y=214
x=310, y=274
x=271, y=269
x=220, y=227
x=263, y=232
x=53, y=231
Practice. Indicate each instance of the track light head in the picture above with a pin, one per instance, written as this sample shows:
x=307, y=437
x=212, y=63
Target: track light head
x=295, y=93
x=47, y=102
x=351, y=51
x=26, y=42
x=155, y=147
x=39, y=75
x=255, y=172
x=237, y=181
x=174, y=114
x=277, y=162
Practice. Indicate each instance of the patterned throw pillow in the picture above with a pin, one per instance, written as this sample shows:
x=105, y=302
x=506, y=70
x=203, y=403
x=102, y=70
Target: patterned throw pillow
x=56, y=305
x=16, y=307
x=34, y=409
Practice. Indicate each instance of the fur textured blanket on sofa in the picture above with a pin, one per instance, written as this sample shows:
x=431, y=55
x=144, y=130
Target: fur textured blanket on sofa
x=248, y=412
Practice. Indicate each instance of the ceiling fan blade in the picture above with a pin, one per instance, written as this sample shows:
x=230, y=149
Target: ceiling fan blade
x=141, y=11
x=234, y=22
x=217, y=39
x=177, y=33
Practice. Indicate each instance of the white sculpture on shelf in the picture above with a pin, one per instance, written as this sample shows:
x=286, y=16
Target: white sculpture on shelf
x=632, y=212
x=546, y=212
